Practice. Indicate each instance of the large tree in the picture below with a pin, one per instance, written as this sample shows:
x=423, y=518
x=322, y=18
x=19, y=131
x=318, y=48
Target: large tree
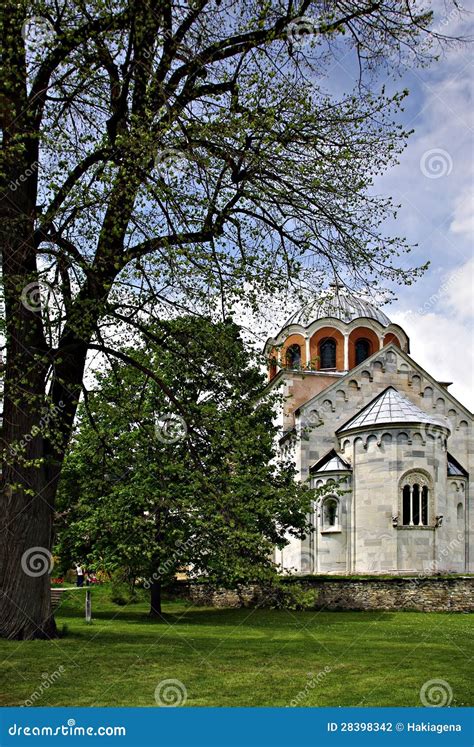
x=145, y=492
x=159, y=154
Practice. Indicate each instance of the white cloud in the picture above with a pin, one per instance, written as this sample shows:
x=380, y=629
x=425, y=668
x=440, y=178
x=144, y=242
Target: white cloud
x=441, y=332
x=463, y=217
x=460, y=291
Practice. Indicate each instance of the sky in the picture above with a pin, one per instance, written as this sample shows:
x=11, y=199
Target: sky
x=434, y=185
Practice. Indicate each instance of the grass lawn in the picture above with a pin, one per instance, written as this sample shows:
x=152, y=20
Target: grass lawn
x=239, y=657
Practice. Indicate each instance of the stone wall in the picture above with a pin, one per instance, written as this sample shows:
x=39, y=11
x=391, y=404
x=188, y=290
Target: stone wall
x=424, y=594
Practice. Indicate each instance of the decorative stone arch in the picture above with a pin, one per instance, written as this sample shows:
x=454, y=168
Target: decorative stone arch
x=330, y=514
x=328, y=406
x=416, y=382
x=371, y=442
x=403, y=437
x=428, y=393
x=341, y=395
x=396, y=335
x=416, y=499
x=313, y=418
x=452, y=417
x=346, y=444
x=386, y=438
x=390, y=337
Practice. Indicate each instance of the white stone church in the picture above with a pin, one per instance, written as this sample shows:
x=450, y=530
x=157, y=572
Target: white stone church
x=393, y=448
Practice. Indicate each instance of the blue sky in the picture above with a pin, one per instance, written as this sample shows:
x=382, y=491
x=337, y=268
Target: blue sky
x=434, y=184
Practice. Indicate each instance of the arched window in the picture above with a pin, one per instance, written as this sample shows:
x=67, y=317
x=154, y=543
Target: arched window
x=362, y=350
x=415, y=495
x=293, y=356
x=327, y=353
x=460, y=515
x=330, y=514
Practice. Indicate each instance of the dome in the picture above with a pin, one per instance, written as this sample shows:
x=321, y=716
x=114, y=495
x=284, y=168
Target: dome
x=392, y=408
x=337, y=305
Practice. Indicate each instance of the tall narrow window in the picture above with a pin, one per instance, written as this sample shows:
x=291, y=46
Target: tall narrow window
x=293, y=356
x=362, y=350
x=327, y=353
x=415, y=504
x=406, y=505
x=330, y=514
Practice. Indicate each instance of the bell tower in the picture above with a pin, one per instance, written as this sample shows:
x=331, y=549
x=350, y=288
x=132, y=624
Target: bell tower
x=330, y=335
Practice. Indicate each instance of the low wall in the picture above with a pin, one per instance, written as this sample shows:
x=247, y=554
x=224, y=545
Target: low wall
x=424, y=594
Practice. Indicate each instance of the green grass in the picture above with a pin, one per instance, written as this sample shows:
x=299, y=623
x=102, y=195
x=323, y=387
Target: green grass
x=240, y=657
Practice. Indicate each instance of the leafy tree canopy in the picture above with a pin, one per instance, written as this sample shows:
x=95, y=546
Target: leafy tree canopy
x=148, y=488
x=173, y=157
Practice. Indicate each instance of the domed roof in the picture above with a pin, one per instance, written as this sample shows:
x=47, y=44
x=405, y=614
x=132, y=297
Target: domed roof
x=392, y=408
x=337, y=304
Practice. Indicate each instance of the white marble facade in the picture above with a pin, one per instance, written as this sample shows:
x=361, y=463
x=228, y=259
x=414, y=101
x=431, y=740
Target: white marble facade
x=392, y=448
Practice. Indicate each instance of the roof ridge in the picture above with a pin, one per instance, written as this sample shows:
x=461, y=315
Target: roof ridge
x=391, y=406
x=327, y=458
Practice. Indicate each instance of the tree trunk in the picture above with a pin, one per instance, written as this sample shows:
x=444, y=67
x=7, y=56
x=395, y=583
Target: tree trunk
x=26, y=509
x=155, y=599
x=31, y=458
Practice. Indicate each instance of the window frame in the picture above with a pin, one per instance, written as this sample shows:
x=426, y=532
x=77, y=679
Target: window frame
x=325, y=527
x=416, y=501
x=323, y=342
x=291, y=364
x=369, y=349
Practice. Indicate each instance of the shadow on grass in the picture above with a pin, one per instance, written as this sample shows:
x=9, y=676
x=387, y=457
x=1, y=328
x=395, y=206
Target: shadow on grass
x=203, y=617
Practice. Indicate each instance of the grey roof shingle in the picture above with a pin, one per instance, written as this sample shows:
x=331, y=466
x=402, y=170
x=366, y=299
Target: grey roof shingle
x=341, y=305
x=331, y=462
x=455, y=469
x=391, y=407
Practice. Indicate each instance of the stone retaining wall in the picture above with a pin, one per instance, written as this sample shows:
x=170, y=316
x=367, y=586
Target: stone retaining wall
x=424, y=594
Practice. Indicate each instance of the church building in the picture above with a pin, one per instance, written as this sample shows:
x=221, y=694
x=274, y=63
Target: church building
x=391, y=447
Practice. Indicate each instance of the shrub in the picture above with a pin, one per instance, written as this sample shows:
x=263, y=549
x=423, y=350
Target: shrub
x=293, y=596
